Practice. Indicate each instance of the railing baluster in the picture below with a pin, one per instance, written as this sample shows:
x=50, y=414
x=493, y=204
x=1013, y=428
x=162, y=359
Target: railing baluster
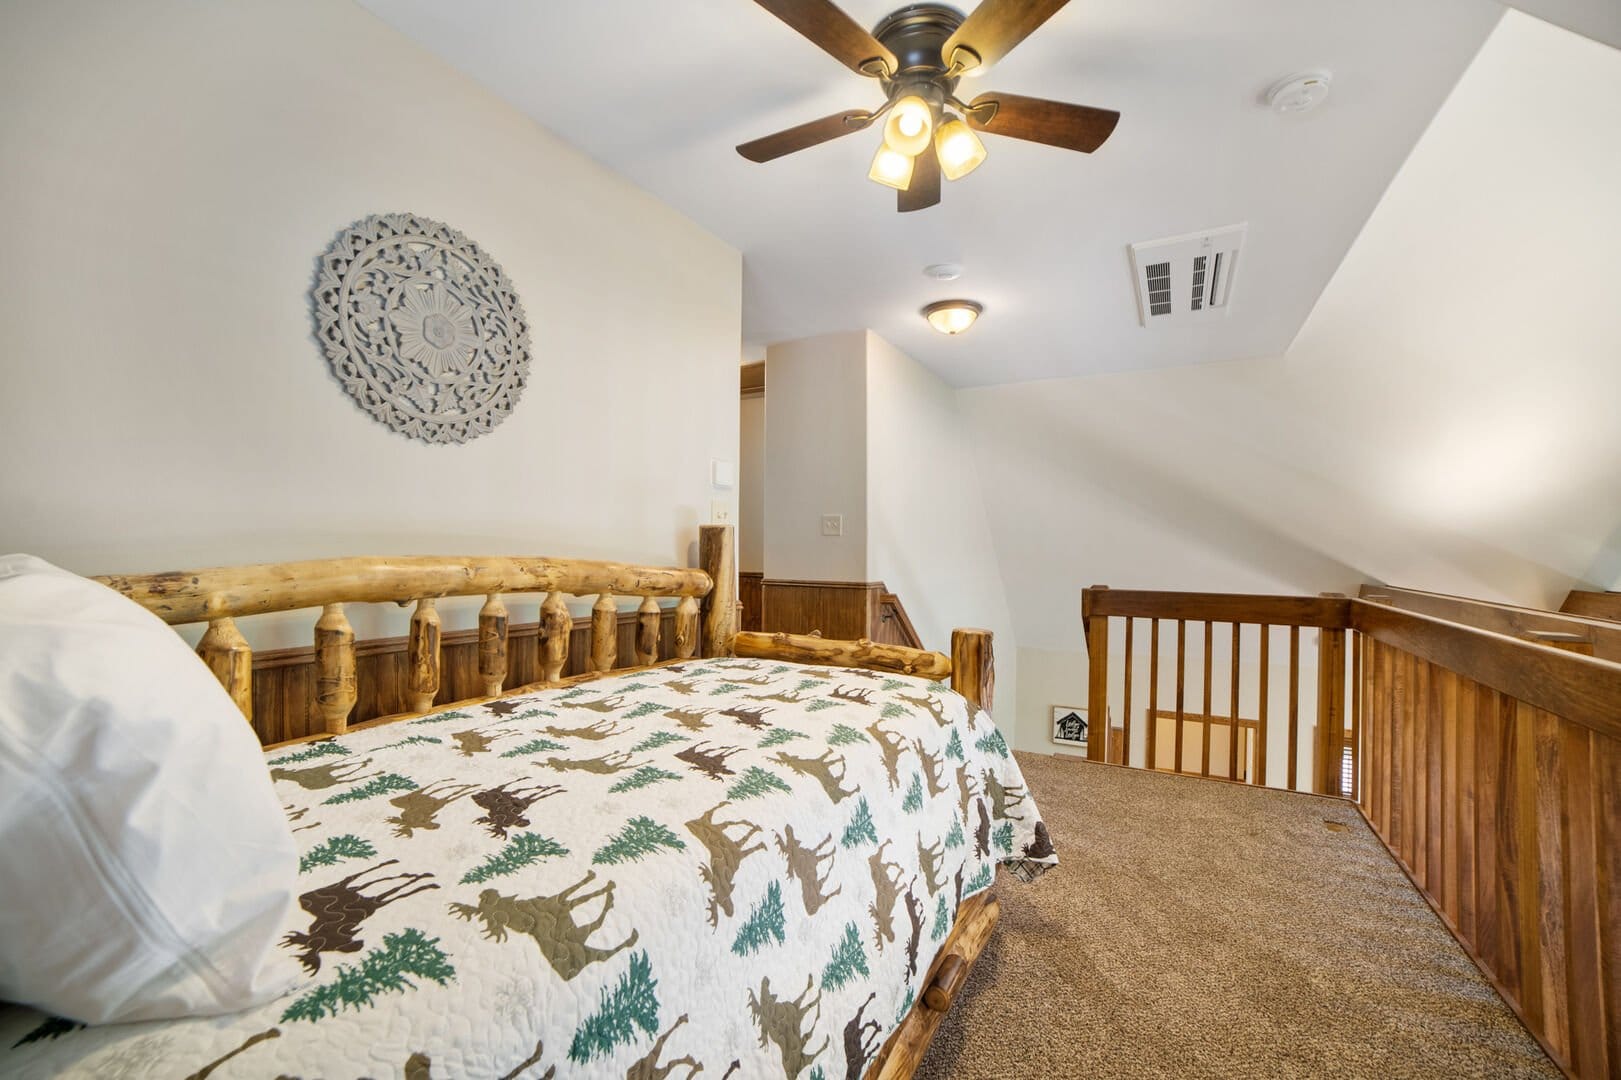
x=1260, y=709
x=556, y=624
x=1125, y=708
x=1357, y=729
x=1235, y=732
x=334, y=669
x=1328, y=742
x=604, y=633
x=1181, y=679
x=422, y=683
x=1152, y=734
x=492, y=644
x=686, y=628
x=1204, y=702
x=647, y=631
x=226, y=652
x=1294, y=704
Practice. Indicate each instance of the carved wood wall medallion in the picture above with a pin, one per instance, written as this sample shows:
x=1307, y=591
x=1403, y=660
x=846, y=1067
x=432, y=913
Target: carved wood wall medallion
x=423, y=328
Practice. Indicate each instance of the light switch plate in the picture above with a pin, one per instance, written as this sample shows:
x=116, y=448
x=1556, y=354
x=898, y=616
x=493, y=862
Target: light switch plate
x=832, y=524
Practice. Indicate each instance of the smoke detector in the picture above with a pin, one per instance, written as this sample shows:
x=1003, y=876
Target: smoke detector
x=1299, y=93
x=1184, y=280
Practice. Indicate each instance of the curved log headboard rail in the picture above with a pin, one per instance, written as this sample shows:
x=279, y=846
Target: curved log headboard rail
x=706, y=612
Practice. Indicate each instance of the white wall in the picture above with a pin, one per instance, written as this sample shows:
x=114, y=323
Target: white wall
x=928, y=538
x=173, y=170
x=1446, y=418
x=751, y=485
x=816, y=457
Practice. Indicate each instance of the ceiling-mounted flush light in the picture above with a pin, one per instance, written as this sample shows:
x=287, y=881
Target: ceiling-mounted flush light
x=891, y=168
x=952, y=316
x=958, y=148
x=910, y=125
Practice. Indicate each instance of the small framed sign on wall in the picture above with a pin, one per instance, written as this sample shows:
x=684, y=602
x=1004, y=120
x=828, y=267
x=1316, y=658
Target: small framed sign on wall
x=1070, y=725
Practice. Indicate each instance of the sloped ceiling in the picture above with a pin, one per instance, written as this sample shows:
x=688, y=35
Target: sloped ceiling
x=662, y=91
x=1445, y=420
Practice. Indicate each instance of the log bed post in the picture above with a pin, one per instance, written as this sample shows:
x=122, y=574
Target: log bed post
x=492, y=644
x=334, y=668
x=422, y=684
x=973, y=670
x=647, y=632
x=226, y=652
x=717, y=556
x=604, y=633
x=555, y=625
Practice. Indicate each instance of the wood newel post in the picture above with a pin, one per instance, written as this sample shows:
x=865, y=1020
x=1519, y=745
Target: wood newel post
x=973, y=667
x=686, y=628
x=604, y=633
x=334, y=668
x=648, y=617
x=492, y=644
x=1097, y=682
x=422, y=680
x=1328, y=742
x=555, y=626
x=717, y=556
x=226, y=652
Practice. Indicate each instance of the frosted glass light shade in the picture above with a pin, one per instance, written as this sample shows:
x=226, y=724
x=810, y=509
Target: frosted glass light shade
x=910, y=126
x=958, y=148
x=891, y=168
x=952, y=317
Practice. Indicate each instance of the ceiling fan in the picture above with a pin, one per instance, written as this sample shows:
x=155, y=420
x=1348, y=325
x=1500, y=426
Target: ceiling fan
x=918, y=54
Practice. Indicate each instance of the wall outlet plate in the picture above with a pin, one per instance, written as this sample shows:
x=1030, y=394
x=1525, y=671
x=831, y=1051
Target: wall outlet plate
x=832, y=524
x=720, y=512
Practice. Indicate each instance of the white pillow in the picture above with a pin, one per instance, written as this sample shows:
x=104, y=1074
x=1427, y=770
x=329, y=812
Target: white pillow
x=146, y=865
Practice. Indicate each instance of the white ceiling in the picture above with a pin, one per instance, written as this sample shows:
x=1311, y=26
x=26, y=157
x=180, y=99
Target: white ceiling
x=661, y=92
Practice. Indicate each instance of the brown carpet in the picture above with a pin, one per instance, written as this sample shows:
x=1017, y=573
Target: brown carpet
x=1200, y=929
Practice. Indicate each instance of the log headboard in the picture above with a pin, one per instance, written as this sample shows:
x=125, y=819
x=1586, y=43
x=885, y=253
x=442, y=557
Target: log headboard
x=705, y=614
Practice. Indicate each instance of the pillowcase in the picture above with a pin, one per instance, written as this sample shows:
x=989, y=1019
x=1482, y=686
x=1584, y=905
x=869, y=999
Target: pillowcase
x=146, y=865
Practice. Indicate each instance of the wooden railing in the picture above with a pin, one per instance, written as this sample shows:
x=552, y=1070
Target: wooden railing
x=1487, y=759
x=1272, y=626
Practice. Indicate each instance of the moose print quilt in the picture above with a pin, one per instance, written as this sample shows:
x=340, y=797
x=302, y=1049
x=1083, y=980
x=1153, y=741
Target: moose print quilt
x=728, y=866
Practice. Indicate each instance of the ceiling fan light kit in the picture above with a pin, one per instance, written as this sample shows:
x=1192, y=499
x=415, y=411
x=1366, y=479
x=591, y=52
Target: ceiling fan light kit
x=952, y=317
x=918, y=53
x=891, y=168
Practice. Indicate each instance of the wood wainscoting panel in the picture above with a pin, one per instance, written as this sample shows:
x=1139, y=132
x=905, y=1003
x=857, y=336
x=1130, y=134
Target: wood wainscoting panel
x=284, y=679
x=844, y=610
x=750, y=586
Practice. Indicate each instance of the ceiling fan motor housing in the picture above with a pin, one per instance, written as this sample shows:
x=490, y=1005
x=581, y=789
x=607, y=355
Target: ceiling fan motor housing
x=915, y=34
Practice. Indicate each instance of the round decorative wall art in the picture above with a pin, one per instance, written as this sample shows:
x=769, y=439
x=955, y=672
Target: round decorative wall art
x=422, y=328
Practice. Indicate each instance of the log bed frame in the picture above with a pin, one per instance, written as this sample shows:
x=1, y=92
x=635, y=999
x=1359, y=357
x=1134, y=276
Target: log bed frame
x=705, y=621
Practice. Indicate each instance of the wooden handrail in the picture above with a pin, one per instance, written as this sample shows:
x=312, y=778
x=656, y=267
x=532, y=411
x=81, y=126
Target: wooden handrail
x=1322, y=611
x=1601, y=637
x=1593, y=605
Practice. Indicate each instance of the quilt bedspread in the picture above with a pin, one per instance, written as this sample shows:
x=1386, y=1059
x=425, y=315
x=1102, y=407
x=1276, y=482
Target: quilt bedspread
x=731, y=865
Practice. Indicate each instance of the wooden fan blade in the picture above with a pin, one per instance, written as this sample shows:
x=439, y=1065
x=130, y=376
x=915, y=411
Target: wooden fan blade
x=924, y=190
x=835, y=33
x=994, y=28
x=805, y=135
x=1056, y=123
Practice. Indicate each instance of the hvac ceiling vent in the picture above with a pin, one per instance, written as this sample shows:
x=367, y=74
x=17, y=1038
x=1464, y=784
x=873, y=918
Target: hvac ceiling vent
x=1186, y=279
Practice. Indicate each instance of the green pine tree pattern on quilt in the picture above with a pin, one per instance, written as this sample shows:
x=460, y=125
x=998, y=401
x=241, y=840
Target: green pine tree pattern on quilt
x=730, y=866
